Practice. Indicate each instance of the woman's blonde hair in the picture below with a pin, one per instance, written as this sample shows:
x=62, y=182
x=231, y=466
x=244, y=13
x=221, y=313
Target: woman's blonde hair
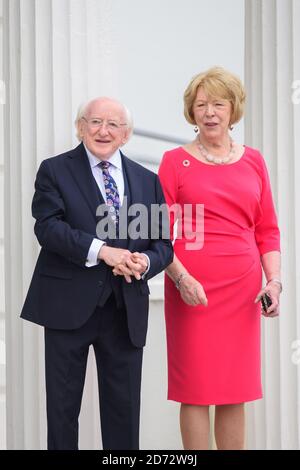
x=216, y=83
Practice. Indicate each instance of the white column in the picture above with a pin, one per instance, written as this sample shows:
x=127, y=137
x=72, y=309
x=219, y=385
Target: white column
x=2, y=306
x=272, y=121
x=52, y=63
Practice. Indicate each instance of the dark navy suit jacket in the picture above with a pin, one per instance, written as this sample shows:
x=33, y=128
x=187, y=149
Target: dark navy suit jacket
x=63, y=292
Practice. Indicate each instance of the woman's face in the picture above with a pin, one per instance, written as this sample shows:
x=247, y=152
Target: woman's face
x=212, y=116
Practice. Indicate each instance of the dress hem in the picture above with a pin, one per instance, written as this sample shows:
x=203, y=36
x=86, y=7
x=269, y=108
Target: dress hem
x=216, y=402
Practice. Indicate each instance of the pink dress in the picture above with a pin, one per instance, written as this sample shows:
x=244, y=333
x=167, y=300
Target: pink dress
x=214, y=351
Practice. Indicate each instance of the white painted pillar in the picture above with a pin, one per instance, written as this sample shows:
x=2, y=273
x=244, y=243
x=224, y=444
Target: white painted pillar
x=57, y=54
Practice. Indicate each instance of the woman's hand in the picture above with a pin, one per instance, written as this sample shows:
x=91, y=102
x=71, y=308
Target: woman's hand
x=192, y=292
x=273, y=290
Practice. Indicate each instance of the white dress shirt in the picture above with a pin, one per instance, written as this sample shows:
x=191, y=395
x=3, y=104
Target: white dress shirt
x=116, y=171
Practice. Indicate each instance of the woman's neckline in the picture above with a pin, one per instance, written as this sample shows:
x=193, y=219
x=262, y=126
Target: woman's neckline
x=207, y=164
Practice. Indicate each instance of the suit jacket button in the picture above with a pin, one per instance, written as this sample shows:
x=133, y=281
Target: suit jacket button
x=100, y=283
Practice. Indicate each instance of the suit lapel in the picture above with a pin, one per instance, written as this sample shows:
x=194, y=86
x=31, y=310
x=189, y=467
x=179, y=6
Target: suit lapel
x=81, y=171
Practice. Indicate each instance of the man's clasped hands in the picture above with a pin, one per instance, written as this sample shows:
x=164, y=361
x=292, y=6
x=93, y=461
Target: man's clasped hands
x=124, y=262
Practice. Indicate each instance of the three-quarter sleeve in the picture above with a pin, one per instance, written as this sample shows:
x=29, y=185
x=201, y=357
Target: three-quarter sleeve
x=267, y=233
x=168, y=175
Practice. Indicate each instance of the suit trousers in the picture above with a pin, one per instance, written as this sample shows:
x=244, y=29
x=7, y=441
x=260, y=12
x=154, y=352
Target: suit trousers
x=119, y=365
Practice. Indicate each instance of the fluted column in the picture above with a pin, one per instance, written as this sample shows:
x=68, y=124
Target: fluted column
x=53, y=61
x=272, y=67
x=2, y=300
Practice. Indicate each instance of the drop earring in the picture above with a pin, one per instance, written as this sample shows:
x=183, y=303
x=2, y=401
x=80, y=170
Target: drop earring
x=196, y=129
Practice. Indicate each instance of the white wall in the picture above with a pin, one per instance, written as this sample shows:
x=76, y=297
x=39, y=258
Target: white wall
x=158, y=47
x=162, y=44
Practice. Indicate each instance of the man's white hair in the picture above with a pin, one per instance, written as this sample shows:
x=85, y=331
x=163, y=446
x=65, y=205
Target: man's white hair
x=83, y=109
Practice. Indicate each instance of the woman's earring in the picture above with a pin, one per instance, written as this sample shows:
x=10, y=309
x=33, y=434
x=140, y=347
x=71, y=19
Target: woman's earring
x=231, y=128
x=196, y=129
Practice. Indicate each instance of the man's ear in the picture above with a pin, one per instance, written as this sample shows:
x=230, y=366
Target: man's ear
x=126, y=136
x=80, y=132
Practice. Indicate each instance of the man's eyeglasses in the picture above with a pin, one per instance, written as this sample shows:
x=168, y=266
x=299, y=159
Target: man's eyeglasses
x=111, y=125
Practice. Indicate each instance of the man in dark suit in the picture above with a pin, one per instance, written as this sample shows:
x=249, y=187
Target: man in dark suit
x=89, y=286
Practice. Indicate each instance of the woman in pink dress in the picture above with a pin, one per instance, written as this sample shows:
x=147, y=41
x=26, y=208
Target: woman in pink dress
x=219, y=192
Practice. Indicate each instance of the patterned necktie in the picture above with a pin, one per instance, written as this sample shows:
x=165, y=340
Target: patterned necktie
x=111, y=191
